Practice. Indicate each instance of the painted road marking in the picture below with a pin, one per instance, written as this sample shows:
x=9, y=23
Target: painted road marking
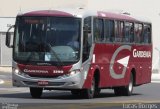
x=15, y=89
x=2, y=75
x=1, y=81
x=155, y=81
x=5, y=76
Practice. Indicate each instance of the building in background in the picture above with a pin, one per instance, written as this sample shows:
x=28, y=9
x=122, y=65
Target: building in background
x=143, y=8
x=5, y=53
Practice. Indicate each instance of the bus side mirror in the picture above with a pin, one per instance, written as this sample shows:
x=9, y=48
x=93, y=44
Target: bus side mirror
x=8, y=38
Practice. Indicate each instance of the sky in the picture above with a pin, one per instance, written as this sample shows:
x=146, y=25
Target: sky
x=149, y=9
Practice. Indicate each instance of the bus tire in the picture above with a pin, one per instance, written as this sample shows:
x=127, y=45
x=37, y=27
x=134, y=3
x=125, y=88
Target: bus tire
x=125, y=90
x=89, y=93
x=36, y=92
x=129, y=88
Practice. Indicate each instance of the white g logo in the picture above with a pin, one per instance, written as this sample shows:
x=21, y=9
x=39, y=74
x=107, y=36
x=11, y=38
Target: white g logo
x=112, y=72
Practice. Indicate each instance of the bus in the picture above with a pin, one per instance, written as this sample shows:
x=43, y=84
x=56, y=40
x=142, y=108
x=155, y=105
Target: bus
x=80, y=50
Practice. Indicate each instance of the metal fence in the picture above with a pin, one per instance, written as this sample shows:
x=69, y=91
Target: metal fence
x=5, y=53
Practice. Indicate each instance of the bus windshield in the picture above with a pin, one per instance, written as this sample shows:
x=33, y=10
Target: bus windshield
x=47, y=39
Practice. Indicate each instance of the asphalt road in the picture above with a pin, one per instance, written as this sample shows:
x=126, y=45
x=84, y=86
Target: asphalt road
x=144, y=97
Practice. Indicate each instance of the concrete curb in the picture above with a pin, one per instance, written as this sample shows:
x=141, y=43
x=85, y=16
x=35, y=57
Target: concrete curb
x=156, y=76
x=6, y=69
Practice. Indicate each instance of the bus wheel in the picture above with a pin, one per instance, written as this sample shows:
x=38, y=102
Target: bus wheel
x=89, y=93
x=126, y=90
x=129, y=88
x=36, y=92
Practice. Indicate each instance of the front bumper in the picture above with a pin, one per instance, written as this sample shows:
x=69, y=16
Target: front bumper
x=75, y=81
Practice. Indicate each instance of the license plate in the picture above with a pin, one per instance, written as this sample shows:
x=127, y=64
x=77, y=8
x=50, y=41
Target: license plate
x=42, y=83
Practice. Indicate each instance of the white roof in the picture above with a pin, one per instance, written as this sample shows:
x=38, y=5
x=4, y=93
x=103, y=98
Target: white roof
x=82, y=12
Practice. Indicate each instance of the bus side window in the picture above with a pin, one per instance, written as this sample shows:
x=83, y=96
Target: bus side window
x=98, y=30
x=119, y=31
x=109, y=31
x=141, y=33
x=129, y=32
x=116, y=30
x=138, y=33
x=147, y=34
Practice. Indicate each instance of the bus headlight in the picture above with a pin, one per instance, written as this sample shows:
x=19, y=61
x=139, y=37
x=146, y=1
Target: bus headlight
x=18, y=72
x=72, y=73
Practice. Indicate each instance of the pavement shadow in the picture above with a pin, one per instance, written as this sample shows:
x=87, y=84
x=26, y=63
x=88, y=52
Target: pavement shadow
x=69, y=96
x=16, y=95
x=60, y=95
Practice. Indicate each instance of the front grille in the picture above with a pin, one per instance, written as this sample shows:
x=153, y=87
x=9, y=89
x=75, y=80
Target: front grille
x=30, y=83
x=43, y=76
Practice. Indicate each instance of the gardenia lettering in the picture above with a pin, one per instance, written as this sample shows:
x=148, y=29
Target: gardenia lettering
x=141, y=54
x=35, y=71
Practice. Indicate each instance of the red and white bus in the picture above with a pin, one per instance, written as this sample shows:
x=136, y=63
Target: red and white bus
x=80, y=50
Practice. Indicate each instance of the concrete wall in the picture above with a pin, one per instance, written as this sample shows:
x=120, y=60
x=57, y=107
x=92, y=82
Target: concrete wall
x=5, y=53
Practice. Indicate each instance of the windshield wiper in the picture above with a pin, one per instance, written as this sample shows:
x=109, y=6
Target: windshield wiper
x=55, y=54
